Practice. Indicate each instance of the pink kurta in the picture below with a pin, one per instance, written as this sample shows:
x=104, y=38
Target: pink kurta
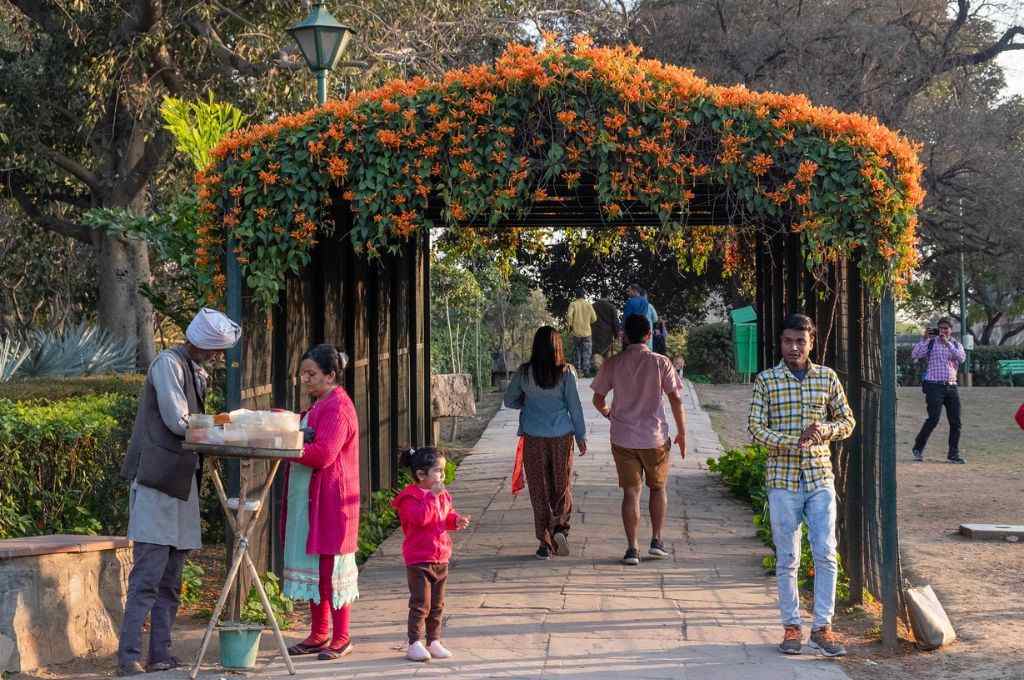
x=334, y=487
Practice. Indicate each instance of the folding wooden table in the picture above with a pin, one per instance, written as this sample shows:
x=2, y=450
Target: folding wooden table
x=242, y=523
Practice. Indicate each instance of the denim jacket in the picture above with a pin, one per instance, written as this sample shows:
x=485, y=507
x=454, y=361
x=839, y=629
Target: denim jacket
x=553, y=412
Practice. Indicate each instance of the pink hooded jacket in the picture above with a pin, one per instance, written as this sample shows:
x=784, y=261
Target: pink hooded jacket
x=334, y=487
x=426, y=521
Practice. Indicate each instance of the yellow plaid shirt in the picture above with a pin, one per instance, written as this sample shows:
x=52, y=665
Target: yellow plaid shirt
x=782, y=408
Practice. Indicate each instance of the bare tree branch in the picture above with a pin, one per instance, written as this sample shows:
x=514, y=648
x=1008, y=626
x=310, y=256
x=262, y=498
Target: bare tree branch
x=15, y=182
x=72, y=167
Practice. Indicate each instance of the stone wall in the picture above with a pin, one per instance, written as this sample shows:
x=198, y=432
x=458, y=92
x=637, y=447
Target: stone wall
x=62, y=604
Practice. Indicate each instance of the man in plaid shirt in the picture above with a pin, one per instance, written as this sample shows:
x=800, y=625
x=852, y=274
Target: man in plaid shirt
x=798, y=408
x=944, y=355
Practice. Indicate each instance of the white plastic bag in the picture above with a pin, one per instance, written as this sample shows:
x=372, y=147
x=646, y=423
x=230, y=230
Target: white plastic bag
x=931, y=625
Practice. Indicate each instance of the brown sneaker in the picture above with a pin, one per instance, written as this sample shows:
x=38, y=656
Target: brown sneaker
x=826, y=642
x=791, y=641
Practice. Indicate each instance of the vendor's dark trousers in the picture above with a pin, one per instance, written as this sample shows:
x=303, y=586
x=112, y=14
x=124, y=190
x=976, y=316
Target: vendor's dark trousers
x=936, y=396
x=154, y=589
x=427, y=582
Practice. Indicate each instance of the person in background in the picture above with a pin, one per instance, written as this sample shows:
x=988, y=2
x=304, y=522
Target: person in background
x=604, y=331
x=943, y=354
x=580, y=316
x=660, y=338
x=551, y=416
x=163, y=503
x=321, y=514
x=679, y=364
x=427, y=514
x=639, y=432
x=798, y=407
x=640, y=305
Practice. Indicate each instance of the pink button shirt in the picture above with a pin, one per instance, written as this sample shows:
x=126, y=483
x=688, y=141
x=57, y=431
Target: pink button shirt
x=638, y=377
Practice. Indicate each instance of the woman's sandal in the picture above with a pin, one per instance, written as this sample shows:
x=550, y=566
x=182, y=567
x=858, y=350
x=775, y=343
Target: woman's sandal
x=328, y=654
x=302, y=649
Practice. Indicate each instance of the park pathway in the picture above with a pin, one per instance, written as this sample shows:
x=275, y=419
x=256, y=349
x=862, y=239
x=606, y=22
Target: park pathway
x=706, y=612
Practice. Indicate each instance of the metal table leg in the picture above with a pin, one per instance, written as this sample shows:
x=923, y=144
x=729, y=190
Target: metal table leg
x=242, y=527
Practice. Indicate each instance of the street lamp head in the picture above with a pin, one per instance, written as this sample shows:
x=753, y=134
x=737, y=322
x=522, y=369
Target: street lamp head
x=321, y=38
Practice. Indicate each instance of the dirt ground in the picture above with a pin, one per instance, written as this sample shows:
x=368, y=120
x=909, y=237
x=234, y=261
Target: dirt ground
x=980, y=583
x=192, y=619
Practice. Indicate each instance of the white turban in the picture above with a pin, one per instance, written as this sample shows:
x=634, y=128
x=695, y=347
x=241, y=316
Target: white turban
x=212, y=330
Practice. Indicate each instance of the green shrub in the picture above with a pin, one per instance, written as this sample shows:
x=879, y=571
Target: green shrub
x=984, y=364
x=282, y=606
x=709, y=352
x=191, y=583
x=59, y=465
x=56, y=389
x=743, y=473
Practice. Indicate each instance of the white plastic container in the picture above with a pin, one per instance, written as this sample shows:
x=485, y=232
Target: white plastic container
x=282, y=421
x=200, y=421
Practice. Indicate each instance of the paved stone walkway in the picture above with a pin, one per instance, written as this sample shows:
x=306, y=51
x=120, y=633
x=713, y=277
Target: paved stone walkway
x=707, y=612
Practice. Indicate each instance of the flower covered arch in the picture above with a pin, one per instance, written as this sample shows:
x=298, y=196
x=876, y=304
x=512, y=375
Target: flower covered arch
x=488, y=143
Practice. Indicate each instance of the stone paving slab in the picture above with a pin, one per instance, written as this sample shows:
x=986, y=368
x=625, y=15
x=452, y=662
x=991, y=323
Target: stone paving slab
x=706, y=612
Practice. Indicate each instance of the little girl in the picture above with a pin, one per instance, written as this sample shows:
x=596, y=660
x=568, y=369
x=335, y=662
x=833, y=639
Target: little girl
x=427, y=515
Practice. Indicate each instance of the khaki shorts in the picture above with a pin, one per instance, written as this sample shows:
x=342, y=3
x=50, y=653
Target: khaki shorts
x=637, y=465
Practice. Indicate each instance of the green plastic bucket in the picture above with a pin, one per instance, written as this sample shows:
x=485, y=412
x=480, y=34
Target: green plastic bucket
x=239, y=645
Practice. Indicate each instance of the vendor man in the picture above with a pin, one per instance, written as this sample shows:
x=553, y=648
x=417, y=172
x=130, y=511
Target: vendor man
x=164, y=499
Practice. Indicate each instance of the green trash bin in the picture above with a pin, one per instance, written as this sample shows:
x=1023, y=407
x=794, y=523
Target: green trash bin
x=744, y=340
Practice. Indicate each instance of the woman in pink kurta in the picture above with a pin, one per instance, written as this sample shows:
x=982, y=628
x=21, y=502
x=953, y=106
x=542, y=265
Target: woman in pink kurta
x=320, y=545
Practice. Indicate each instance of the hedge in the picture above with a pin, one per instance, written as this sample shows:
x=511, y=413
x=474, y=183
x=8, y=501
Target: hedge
x=59, y=465
x=56, y=389
x=984, y=364
x=709, y=352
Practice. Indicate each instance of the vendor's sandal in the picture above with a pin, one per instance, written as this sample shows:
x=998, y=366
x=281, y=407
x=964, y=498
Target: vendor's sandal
x=165, y=665
x=328, y=654
x=302, y=649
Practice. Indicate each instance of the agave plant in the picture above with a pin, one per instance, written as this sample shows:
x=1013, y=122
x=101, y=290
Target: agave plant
x=79, y=350
x=12, y=356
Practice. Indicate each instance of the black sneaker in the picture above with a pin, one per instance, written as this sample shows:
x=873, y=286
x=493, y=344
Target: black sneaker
x=955, y=458
x=543, y=553
x=129, y=669
x=165, y=665
x=791, y=641
x=632, y=557
x=657, y=549
x=918, y=456
x=825, y=641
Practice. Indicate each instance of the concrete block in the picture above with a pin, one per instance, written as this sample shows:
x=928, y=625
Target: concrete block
x=57, y=606
x=993, y=532
x=451, y=394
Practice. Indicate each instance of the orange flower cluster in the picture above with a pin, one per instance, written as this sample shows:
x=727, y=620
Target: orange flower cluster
x=655, y=162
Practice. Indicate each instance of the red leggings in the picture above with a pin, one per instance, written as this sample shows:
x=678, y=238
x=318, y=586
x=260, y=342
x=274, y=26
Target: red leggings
x=319, y=612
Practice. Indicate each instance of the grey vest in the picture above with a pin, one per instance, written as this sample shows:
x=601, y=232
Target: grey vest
x=155, y=457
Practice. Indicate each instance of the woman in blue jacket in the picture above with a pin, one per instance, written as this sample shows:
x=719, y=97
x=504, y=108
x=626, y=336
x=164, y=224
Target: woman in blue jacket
x=550, y=418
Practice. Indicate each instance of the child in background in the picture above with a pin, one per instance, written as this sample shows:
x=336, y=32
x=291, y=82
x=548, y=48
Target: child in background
x=427, y=514
x=680, y=365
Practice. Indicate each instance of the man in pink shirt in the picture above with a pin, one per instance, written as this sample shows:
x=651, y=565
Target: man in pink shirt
x=639, y=431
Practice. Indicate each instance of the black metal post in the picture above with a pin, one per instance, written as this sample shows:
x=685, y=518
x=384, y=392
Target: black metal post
x=887, y=452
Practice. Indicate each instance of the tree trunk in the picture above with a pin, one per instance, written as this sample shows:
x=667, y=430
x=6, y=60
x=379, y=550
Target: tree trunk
x=121, y=309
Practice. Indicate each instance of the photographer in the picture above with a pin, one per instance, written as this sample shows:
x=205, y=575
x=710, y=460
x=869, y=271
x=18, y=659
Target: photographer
x=943, y=356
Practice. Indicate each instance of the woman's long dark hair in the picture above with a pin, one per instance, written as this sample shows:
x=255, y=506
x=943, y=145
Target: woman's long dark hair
x=547, y=359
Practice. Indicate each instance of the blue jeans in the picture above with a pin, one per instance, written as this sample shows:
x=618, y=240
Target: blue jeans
x=788, y=511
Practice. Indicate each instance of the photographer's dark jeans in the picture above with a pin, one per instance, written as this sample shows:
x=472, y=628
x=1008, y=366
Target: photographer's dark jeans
x=936, y=396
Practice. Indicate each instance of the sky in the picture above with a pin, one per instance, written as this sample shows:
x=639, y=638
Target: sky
x=1012, y=62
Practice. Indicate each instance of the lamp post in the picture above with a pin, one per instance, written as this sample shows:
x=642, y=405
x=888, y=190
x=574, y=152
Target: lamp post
x=322, y=39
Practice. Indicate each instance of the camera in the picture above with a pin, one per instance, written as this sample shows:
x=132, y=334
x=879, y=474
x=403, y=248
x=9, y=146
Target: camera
x=933, y=331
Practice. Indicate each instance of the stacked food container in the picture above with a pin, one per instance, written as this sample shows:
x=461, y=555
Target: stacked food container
x=245, y=428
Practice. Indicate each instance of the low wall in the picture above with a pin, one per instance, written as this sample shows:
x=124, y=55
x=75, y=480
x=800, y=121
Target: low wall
x=61, y=597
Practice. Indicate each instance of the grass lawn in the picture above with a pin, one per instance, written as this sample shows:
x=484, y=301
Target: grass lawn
x=981, y=584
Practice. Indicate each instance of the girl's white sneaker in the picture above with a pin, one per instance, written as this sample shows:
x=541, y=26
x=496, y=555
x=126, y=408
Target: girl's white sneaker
x=417, y=652
x=438, y=651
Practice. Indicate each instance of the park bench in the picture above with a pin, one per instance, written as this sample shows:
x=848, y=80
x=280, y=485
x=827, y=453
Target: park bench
x=61, y=597
x=1009, y=368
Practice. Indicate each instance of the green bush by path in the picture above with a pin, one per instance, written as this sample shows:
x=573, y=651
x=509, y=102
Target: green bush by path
x=59, y=465
x=743, y=473
x=709, y=352
x=56, y=389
